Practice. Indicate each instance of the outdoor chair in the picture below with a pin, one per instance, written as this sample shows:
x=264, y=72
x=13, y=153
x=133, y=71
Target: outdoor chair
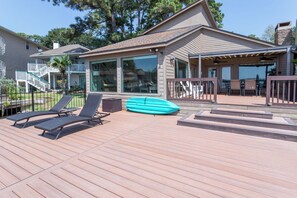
x=88, y=113
x=250, y=85
x=58, y=109
x=235, y=86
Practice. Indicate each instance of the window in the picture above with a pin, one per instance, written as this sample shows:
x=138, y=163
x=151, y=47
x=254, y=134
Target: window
x=257, y=72
x=212, y=72
x=181, y=69
x=104, y=76
x=27, y=45
x=140, y=74
x=226, y=77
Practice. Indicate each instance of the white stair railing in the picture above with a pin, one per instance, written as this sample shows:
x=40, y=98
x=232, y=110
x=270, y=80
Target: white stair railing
x=33, y=80
x=40, y=70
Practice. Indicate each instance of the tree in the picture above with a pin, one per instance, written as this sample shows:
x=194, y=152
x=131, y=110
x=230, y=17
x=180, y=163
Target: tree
x=253, y=36
x=215, y=8
x=117, y=20
x=66, y=36
x=35, y=38
x=61, y=63
x=268, y=34
x=294, y=35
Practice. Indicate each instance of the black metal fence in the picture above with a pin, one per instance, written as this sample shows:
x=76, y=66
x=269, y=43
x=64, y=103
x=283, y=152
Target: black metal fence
x=13, y=100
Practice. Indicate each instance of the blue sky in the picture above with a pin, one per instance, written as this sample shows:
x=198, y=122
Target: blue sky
x=241, y=16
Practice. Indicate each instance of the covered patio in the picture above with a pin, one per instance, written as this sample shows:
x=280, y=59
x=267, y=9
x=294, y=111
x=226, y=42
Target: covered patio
x=239, y=72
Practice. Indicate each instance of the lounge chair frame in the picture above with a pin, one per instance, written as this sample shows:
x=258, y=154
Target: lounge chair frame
x=58, y=109
x=88, y=113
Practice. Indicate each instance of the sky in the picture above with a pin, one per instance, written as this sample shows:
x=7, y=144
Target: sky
x=241, y=16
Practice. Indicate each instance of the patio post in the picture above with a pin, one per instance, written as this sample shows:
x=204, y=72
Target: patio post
x=199, y=66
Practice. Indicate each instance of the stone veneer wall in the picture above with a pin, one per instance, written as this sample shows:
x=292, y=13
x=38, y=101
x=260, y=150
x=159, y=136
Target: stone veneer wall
x=283, y=36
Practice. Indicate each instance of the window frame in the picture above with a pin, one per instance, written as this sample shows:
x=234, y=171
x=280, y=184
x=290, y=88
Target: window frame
x=91, y=73
x=177, y=67
x=122, y=73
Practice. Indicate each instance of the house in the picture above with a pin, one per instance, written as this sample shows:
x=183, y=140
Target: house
x=187, y=45
x=43, y=77
x=15, y=52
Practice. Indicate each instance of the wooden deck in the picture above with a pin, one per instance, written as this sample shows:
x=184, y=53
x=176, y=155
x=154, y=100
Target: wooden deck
x=241, y=100
x=134, y=155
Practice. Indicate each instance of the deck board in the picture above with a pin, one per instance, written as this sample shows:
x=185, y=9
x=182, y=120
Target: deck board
x=136, y=155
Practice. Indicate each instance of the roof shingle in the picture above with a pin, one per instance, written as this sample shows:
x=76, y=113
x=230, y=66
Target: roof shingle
x=146, y=40
x=68, y=49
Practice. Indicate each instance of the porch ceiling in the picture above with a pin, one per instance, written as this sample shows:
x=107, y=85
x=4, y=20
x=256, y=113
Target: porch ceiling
x=240, y=53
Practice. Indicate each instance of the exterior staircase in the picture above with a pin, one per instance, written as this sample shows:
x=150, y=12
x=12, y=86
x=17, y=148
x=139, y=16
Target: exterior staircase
x=40, y=70
x=247, y=122
x=34, y=76
x=32, y=79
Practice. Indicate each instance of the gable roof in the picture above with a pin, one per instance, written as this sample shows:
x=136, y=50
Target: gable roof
x=268, y=44
x=73, y=49
x=159, y=39
x=21, y=37
x=163, y=39
x=198, y=2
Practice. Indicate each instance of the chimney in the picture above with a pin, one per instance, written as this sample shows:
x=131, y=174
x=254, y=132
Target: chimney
x=283, y=33
x=56, y=45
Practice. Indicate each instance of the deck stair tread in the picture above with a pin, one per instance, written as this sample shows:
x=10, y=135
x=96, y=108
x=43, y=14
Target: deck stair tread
x=243, y=113
x=189, y=120
x=275, y=122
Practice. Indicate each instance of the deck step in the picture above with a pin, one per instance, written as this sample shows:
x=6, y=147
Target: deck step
x=242, y=113
x=289, y=135
x=274, y=123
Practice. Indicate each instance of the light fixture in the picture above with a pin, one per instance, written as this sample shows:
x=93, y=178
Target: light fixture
x=154, y=50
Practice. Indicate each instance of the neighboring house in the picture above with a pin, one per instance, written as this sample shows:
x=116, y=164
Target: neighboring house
x=15, y=52
x=43, y=77
x=186, y=45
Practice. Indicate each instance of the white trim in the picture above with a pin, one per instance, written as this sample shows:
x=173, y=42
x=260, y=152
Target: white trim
x=121, y=50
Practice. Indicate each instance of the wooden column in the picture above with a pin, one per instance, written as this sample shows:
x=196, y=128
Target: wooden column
x=199, y=66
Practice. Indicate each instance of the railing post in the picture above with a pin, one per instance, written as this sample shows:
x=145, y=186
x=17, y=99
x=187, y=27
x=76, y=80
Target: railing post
x=32, y=99
x=268, y=90
x=215, y=89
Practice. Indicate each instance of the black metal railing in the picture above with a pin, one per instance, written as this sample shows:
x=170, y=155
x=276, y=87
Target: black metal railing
x=14, y=100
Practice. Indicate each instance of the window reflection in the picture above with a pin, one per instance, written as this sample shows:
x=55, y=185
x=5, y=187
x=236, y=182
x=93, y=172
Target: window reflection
x=140, y=74
x=181, y=69
x=257, y=72
x=104, y=76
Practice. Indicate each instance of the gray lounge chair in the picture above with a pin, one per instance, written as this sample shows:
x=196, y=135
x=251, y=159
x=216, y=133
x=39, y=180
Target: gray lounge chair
x=88, y=113
x=56, y=110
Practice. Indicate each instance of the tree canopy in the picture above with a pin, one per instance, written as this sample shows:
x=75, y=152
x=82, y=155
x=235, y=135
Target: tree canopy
x=66, y=36
x=268, y=34
x=116, y=20
x=254, y=36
